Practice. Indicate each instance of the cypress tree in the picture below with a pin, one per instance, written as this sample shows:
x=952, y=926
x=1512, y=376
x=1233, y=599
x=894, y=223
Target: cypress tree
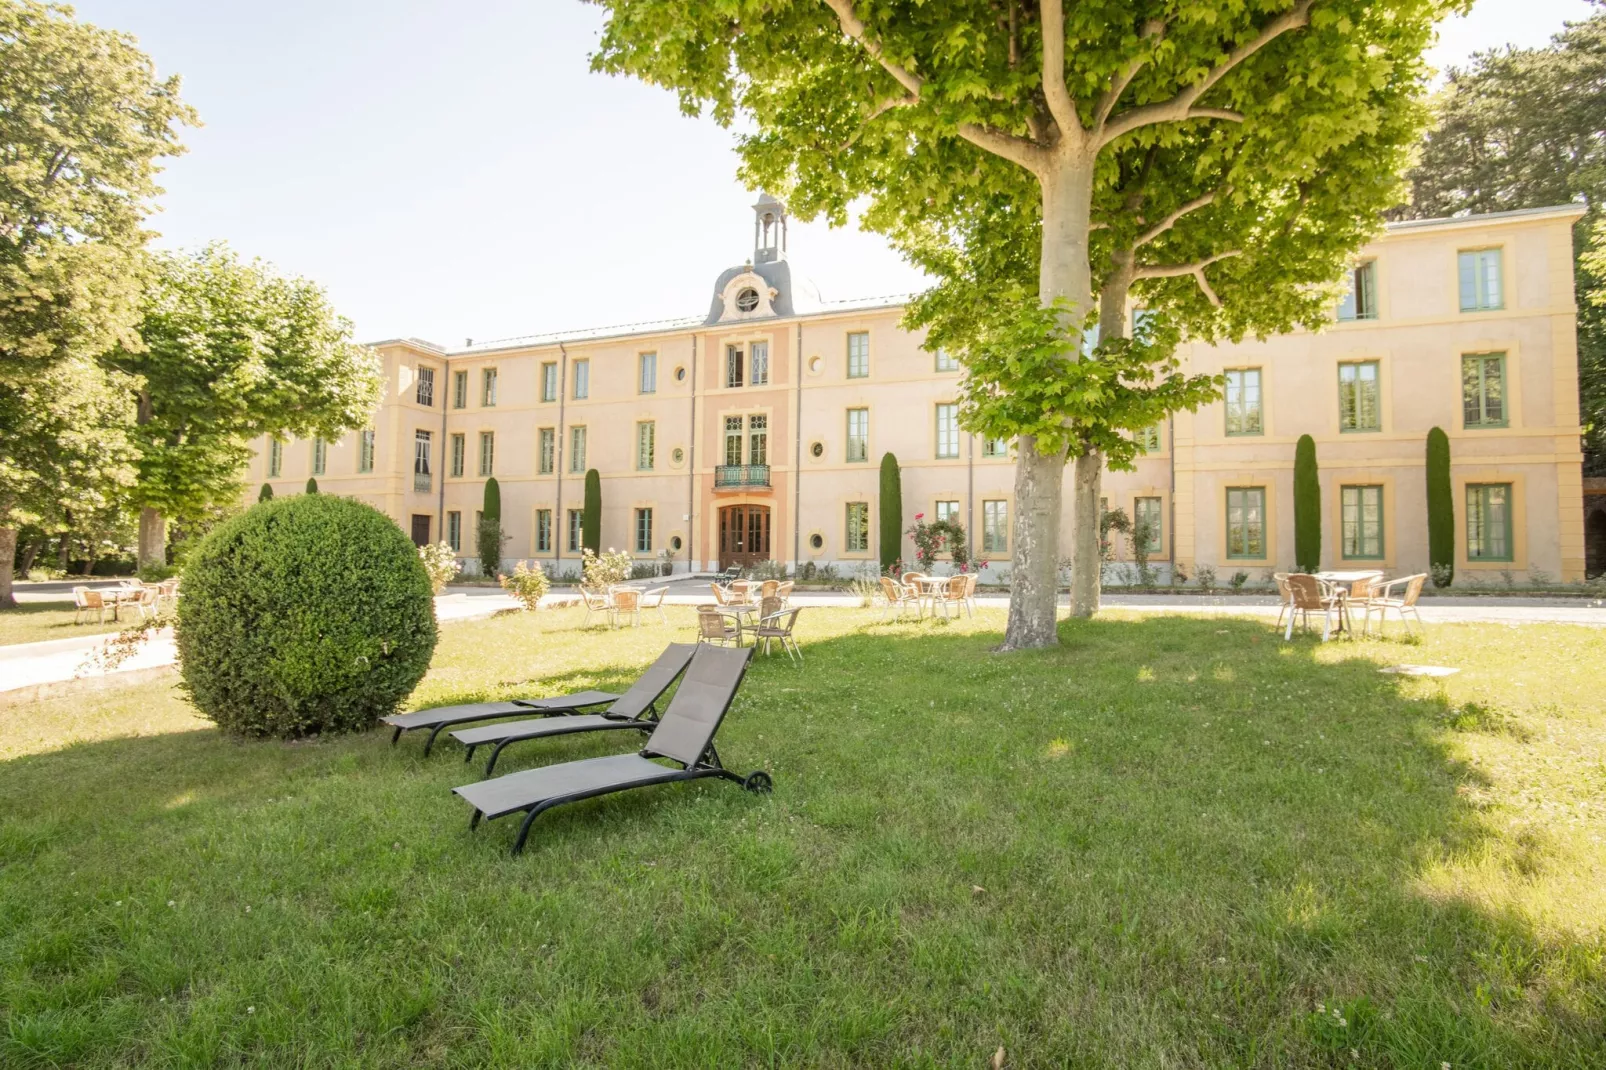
x=591, y=521
x=267, y=492
x=1307, y=507
x=891, y=512
x=1441, y=510
x=312, y=485
x=488, y=539
x=492, y=508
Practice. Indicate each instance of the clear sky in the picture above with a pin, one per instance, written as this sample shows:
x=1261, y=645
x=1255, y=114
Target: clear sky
x=448, y=170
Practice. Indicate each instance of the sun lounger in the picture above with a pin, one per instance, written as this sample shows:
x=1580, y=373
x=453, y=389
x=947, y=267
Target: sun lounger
x=439, y=718
x=685, y=735
x=637, y=708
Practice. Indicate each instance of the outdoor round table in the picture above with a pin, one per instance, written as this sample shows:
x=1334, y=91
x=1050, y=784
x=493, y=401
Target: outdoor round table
x=929, y=586
x=1347, y=579
x=739, y=612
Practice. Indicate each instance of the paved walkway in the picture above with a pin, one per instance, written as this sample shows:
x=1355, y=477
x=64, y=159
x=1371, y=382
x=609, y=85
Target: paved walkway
x=31, y=665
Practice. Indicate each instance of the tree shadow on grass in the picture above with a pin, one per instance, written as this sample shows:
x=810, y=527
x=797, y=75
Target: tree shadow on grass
x=1169, y=841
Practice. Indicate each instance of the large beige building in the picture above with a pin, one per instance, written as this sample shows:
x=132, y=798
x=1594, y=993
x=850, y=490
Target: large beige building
x=755, y=432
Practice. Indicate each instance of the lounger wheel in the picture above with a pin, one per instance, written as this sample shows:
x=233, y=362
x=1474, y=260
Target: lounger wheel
x=758, y=782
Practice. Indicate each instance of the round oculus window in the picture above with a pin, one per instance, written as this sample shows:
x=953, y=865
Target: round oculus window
x=677, y=455
x=815, y=364
x=680, y=375
x=817, y=541
x=675, y=543
x=817, y=449
x=747, y=299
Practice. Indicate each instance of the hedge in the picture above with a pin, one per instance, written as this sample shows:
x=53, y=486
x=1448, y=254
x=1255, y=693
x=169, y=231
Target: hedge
x=304, y=615
x=488, y=537
x=591, y=519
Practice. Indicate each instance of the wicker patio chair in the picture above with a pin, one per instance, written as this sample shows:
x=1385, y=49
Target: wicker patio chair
x=626, y=603
x=949, y=594
x=768, y=589
x=784, y=592
x=1308, y=595
x=1283, y=596
x=970, y=592
x=715, y=627
x=596, y=602
x=1382, y=598
x=779, y=625
x=654, y=599
x=85, y=600
x=899, y=597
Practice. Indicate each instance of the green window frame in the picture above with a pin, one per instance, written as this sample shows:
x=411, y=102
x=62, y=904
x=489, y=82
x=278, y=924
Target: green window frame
x=582, y=380
x=488, y=388
x=577, y=450
x=549, y=381
x=995, y=447
x=948, y=510
x=424, y=392
x=1360, y=396
x=487, y=452
x=733, y=440
x=365, y=450
x=947, y=431
x=1148, y=439
x=548, y=460
x=576, y=528
x=1483, y=390
x=320, y=456
x=1360, y=303
x=644, y=531
x=647, y=373
x=459, y=451
x=460, y=390
x=858, y=436
x=759, y=363
x=454, y=531
x=995, y=527
x=1489, y=531
x=1482, y=284
x=858, y=354
x=1244, y=402
x=1150, y=512
x=646, y=445
x=946, y=361
x=858, y=527
x=1246, y=523
x=543, y=531
x=1360, y=509
x=275, y=458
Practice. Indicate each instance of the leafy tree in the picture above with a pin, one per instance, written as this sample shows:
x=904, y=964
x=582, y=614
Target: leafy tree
x=64, y=452
x=1526, y=128
x=228, y=351
x=1220, y=162
x=1441, y=510
x=1307, y=507
x=83, y=122
x=891, y=512
x=591, y=518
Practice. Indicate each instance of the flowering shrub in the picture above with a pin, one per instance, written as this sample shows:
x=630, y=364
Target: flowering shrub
x=526, y=584
x=440, y=561
x=939, y=536
x=603, y=570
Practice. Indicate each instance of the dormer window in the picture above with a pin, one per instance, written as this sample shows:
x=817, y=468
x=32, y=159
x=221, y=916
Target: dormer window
x=747, y=300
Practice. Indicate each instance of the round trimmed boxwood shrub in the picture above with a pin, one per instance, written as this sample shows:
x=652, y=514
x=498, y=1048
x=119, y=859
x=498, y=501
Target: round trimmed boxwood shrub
x=303, y=615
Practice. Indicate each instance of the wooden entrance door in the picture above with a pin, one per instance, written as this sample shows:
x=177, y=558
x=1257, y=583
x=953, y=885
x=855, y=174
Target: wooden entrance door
x=744, y=535
x=421, y=529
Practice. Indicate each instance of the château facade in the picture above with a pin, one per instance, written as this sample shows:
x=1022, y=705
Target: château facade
x=755, y=432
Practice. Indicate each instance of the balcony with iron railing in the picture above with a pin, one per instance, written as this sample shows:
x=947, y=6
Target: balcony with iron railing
x=421, y=482
x=742, y=477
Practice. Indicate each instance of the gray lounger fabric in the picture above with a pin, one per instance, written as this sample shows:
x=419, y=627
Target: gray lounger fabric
x=685, y=734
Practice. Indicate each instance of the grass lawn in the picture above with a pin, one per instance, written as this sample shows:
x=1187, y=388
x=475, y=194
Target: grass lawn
x=1172, y=842
x=35, y=622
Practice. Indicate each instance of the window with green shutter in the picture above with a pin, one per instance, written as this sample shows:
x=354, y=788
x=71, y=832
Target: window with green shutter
x=1246, y=523
x=1489, y=522
x=1245, y=413
x=1360, y=406
x=947, y=431
x=1481, y=281
x=858, y=527
x=1360, y=303
x=1361, y=522
x=1147, y=513
x=1483, y=390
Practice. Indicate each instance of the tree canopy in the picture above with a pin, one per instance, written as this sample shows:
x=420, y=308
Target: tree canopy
x=1043, y=159
x=83, y=123
x=226, y=351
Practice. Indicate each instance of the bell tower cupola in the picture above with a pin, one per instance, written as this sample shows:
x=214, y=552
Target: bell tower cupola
x=769, y=230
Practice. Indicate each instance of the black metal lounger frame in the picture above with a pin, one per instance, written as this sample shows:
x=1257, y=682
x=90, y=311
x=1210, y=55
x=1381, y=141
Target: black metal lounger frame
x=646, y=723
x=527, y=708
